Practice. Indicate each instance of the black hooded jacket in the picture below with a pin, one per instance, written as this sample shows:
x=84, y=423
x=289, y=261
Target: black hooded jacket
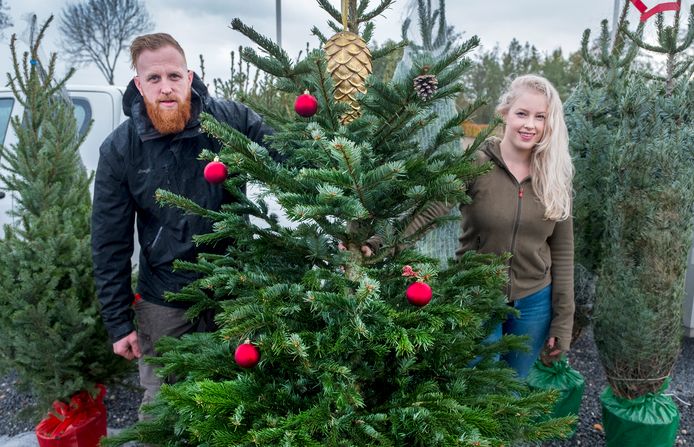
x=135, y=161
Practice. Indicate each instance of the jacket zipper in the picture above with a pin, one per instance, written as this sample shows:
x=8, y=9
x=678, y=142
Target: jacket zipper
x=516, y=224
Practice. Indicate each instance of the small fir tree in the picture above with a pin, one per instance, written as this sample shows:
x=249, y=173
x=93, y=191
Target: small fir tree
x=432, y=40
x=50, y=327
x=632, y=137
x=345, y=360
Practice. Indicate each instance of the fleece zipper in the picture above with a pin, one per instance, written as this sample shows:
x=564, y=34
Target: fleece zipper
x=516, y=224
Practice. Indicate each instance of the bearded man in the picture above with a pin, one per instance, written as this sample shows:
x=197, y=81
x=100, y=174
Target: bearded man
x=157, y=147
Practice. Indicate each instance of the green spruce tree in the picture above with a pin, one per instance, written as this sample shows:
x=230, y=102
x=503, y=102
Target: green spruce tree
x=434, y=39
x=50, y=327
x=632, y=137
x=345, y=360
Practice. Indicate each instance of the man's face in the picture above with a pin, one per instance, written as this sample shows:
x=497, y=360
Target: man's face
x=164, y=82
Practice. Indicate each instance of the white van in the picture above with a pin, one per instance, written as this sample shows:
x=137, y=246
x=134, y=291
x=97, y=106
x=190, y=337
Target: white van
x=100, y=104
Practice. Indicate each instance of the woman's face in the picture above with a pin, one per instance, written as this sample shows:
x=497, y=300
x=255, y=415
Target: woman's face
x=525, y=120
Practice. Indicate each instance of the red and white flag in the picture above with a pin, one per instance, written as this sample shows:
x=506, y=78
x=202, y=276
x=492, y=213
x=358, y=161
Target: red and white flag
x=648, y=8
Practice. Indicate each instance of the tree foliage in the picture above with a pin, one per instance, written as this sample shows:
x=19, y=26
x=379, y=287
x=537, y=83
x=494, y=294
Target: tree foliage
x=97, y=31
x=492, y=71
x=345, y=359
x=50, y=328
x=632, y=138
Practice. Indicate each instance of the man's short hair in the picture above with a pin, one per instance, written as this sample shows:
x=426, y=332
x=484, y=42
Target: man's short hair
x=152, y=42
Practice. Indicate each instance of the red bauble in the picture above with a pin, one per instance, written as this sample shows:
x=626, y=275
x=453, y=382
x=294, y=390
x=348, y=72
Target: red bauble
x=419, y=293
x=215, y=171
x=306, y=105
x=246, y=355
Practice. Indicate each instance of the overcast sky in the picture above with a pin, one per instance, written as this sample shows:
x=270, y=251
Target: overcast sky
x=202, y=26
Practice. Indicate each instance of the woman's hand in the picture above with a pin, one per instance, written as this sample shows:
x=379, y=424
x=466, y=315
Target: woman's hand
x=365, y=249
x=550, y=353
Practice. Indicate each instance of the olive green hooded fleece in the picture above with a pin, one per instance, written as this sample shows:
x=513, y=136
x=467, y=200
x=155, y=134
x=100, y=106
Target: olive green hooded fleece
x=506, y=216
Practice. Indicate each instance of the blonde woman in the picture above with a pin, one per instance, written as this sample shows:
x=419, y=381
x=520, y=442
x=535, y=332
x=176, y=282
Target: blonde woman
x=523, y=206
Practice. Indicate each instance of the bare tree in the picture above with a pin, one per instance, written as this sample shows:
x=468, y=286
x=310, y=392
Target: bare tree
x=5, y=21
x=96, y=31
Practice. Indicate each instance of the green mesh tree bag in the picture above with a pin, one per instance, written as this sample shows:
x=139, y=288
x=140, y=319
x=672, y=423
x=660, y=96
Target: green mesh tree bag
x=563, y=378
x=647, y=421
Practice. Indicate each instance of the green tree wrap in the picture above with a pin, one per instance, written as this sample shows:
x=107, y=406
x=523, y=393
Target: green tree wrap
x=651, y=420
x=562, y=377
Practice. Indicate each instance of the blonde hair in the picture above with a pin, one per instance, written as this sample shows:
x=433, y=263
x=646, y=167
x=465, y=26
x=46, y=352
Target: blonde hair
x=551, y=168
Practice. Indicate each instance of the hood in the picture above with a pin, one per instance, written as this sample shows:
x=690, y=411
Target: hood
x=134, y=108
x=492, y=148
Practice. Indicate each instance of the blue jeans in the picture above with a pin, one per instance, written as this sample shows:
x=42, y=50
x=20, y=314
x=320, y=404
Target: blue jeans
x=533, y=321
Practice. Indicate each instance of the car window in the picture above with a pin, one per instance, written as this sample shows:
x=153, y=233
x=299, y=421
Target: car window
x=5, y=111
x=83, y=114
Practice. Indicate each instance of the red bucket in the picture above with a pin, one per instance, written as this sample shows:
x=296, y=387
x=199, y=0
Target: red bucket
x=81, y=423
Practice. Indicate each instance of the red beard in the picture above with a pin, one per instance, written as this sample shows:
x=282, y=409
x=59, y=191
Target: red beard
x=168, y=121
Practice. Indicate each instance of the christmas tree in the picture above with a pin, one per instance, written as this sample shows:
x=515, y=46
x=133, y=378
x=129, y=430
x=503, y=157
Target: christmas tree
x=632, y=138
x=435, y=39
x=50, y=327
x=322, y=346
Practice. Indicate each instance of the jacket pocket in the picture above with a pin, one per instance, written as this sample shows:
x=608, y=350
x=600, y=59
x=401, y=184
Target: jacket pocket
x=157, y=252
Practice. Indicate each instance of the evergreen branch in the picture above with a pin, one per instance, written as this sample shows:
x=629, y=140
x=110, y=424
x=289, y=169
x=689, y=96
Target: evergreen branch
x=454, y=55
x=352, y=167
x=634, y=37
x=268, y=45
x=325, y=84
x=327, y=7
x=378, y=10
x=387, y=49
x=164, y=197
x=585, y=53
x=336, y=27
x=368, y=32
x=689, y=37
x=316, y=32
x=682, y=68
x=17, y=83
x=269, y=65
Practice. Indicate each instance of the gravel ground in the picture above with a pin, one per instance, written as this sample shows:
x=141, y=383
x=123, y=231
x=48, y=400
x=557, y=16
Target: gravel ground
x=584, y=358
x=123, y=398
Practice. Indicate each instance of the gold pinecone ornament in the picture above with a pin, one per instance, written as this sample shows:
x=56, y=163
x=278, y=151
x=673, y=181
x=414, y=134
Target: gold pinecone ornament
x=349, y=64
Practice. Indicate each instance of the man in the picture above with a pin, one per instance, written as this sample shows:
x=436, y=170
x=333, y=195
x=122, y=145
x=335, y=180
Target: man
x=157, y=147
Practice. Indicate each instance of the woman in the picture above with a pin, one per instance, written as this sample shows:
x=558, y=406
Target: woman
x=523, y=207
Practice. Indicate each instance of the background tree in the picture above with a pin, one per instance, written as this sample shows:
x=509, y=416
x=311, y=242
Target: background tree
x=50, y=327
x=430, y=38
x=5, y=21
x=344, y=358
x=384, y=67
x=632, y=138
x=492, y=71
x=97, y=31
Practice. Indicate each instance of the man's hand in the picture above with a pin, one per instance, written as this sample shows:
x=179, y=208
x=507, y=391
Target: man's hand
x=128, y=347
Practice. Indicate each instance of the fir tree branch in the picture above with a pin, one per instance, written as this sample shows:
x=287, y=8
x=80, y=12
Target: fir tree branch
x=387, y=49
x=368, y=32
x=268, y=45
x=378, y=10
x=316, y=32
x=328, y=7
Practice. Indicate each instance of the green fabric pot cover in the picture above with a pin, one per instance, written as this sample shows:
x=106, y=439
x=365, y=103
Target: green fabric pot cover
x=647, y=421
x=562, y=377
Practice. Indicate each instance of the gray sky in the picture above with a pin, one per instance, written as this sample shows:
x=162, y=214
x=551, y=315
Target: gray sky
x=202, y=26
